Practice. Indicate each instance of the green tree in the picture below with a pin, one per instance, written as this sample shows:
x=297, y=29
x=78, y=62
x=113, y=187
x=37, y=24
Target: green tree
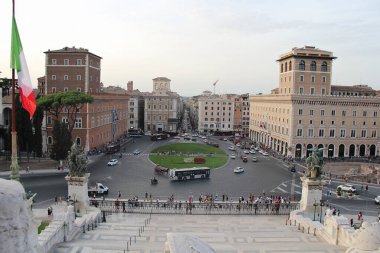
x=37, y=135
x=23, y=128
x=72, y=101
x=62, y=141
x=54, y=104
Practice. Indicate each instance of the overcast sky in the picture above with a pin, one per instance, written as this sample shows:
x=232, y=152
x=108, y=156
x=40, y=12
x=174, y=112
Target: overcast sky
x=195, y=43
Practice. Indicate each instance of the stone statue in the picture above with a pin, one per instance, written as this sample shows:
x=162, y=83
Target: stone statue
x=18, y=233
x=314, y=163
x=77, y=162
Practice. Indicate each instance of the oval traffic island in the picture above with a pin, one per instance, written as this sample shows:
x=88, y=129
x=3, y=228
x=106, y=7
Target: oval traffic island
x=188, y=155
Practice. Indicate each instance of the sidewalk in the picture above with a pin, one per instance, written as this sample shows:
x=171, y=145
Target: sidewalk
x=36, y=167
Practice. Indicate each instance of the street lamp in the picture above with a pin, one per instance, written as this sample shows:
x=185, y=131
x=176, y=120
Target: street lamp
x=322, y=204
x=315, y=208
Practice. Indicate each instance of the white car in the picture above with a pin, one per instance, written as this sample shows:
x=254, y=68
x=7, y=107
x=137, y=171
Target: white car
x=239, y=170
x=136, y=152
x=112, y=162
x=377, y=200
x=254, y=159
x=257, y=149
x=237, y=145
x=264, y=153
x=347, y=188
x=232, y=148
x=246, y=151
x=225, y=139
x=252, y=151
x=232, y=156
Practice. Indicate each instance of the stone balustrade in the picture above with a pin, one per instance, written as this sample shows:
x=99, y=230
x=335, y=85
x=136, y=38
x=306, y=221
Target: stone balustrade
x=65, y=227
x=337, y=230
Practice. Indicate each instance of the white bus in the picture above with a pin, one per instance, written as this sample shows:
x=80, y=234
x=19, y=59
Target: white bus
x=189, y=173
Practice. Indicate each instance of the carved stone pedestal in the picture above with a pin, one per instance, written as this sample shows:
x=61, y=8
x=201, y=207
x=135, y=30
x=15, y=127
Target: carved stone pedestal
x=311, y=193
x=78, y=192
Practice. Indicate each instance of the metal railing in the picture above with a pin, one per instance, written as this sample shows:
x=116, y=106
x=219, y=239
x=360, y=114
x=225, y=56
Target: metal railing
x=195, y=208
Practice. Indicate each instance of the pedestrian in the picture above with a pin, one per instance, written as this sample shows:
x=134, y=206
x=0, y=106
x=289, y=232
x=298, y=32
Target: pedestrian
x=352, y=222
x=27, y=169
x=378, y=216
x=338, y=212
x=146, y=195
x=56, y=200
x=362, y=187
x=360, y=216
x=366, y=187
x=124, y=211
x=119, y=194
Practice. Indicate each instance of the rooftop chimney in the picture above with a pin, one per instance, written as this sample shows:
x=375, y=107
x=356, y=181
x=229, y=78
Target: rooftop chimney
x=130, y=86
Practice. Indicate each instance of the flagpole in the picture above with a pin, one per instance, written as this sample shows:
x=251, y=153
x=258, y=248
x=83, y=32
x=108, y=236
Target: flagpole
x=15, y=175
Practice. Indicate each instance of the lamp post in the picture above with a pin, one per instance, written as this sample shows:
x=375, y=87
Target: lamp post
x=315, y=208
x=322, y=204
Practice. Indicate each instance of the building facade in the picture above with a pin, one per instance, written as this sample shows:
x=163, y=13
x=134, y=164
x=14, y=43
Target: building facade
x=96, y=124
x=216, y=113
x=241, y=117
x=135, y=104
x=307, y=112
x=161, y=108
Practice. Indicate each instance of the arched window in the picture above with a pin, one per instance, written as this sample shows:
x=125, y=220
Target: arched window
x=324, y=67
x=313, y=66
x=290, y=66
x=286, y=66
x=282, y=67
x=302, y=65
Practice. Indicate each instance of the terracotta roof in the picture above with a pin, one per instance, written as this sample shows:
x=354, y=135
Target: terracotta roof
x=356, y=88
x=71, y=50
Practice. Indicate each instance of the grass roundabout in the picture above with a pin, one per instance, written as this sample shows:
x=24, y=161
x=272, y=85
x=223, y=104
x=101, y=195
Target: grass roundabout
x=188, y=155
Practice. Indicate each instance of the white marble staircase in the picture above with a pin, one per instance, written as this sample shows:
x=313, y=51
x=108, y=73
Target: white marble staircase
x=226, y=234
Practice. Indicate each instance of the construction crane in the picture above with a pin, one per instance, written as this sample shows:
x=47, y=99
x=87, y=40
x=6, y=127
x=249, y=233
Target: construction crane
x=214, y=85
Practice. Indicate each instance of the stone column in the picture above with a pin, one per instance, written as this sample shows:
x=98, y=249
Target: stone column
x=78, y=191
x=311, y=193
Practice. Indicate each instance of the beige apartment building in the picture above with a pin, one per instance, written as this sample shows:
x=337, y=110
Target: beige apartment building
x=307, y=112
x=162, y=108
x=215, y=113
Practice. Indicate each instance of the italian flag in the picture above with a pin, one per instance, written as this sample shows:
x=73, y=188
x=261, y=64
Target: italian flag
x=18, y=63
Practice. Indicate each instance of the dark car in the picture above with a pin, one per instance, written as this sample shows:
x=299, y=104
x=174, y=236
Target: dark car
x=292, y=168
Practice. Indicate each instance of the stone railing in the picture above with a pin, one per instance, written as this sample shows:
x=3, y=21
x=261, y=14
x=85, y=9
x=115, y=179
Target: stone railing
x=338, y=231
x=65, y=227
x=182, y=207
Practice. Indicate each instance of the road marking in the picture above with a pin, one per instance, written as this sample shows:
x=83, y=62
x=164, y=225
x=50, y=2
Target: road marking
x=292, y=187
x=279, y=188
x=44, y=201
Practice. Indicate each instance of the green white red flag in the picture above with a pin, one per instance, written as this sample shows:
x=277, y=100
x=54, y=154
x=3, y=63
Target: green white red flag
x=18, y=63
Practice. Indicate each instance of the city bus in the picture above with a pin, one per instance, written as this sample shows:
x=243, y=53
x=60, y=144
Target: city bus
x=189, y=173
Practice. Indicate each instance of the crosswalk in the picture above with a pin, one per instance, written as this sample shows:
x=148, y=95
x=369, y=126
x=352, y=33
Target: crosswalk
x=291, y=188
x=287, y=188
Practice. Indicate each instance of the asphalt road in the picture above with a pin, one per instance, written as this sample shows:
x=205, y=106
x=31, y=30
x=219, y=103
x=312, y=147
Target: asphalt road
x=133, y=173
